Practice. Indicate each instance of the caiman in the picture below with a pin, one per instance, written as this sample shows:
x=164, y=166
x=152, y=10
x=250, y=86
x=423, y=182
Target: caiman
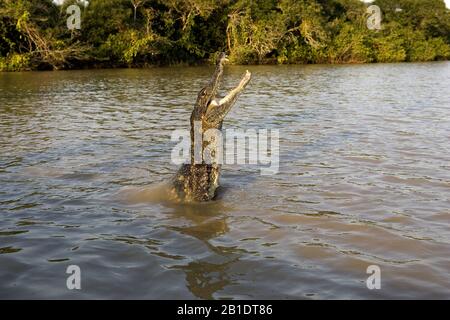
x=198, y=180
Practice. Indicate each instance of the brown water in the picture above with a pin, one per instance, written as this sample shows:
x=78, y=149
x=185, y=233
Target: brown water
x=364, y=180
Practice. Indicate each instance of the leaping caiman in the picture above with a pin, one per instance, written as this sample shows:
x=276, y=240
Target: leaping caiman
x=197, y=181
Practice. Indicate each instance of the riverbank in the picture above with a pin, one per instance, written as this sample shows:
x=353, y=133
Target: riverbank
x=94, y=65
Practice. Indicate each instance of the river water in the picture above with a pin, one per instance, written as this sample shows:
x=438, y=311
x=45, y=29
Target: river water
x=364, y=179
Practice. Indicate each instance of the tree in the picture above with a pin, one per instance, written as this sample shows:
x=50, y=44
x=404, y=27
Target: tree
x=34, y=35
x=136, y=4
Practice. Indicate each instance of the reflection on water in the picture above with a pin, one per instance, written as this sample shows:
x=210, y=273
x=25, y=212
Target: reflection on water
x=364, y=179
x=205, y=222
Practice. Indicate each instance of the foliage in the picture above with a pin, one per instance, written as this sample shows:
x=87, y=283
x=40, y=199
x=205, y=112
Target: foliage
x=34, y=35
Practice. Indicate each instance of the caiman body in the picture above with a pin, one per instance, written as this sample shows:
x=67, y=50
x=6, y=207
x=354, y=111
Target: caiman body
x=198, y=180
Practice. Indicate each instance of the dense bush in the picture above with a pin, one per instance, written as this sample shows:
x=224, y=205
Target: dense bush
x=119, y=33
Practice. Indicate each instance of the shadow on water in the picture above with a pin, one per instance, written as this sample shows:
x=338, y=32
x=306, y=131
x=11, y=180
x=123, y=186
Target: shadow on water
x=202, y=221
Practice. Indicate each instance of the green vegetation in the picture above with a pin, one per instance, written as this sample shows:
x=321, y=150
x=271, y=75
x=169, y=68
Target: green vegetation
x=134, y=33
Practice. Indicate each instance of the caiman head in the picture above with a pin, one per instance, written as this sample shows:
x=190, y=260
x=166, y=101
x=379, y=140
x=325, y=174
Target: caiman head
x=210, y=110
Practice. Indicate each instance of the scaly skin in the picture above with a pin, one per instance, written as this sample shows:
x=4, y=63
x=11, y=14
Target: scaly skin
x=198, y=182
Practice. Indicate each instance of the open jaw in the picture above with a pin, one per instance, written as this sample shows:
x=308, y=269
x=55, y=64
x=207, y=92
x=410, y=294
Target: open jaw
x=218, y=109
